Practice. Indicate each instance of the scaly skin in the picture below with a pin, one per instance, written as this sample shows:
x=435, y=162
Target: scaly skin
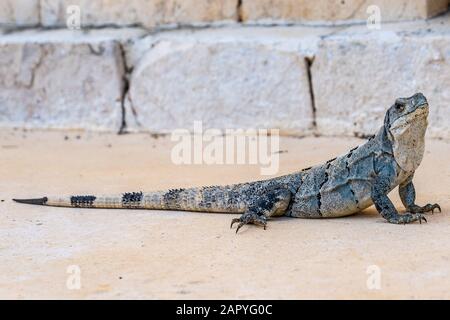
x=340, y=187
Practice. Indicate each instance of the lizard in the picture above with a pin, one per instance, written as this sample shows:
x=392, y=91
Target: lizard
x=340, y=187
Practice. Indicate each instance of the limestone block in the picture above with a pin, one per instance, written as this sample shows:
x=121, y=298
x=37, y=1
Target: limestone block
x=332, y=11
x=148, y=13
x=224, y=79
x=55, y=80
x=19, y=13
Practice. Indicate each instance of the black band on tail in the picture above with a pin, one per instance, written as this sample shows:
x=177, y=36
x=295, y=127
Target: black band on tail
x=38, y=201
x=82, y=201
x=132, y=199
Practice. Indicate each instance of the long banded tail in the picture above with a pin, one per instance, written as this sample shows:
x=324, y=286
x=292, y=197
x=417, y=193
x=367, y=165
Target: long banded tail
x=208, y=199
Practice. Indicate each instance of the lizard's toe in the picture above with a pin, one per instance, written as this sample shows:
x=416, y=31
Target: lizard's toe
x=420, y=217
x=426, y=208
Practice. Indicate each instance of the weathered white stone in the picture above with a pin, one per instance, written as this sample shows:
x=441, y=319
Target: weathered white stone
x=357, y=74
x=197, y=11
x=148, y=13
x=331, y=11
x=19, y=13
x=60, y=79
x=227, y=79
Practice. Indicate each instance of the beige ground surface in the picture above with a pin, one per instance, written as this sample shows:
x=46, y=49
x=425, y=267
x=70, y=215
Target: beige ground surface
x=145, y=254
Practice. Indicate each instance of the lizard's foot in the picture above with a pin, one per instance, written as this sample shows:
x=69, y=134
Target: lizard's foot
x=271, y=204
x=250, y=217
x=426, y=208
x=407, y=218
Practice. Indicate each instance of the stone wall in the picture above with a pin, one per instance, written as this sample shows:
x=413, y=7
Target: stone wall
x=161, y=65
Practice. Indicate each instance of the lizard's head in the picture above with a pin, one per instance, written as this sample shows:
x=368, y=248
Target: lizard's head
x=406, y=123
x=407, y=112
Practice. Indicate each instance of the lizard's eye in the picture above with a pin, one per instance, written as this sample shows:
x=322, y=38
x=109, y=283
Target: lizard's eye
x=399, y=106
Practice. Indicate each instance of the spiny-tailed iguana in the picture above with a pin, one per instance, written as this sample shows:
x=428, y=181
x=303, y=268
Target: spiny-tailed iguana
x=340, y=187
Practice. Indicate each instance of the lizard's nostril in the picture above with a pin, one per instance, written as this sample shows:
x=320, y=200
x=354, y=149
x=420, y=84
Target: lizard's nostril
x=420, y=99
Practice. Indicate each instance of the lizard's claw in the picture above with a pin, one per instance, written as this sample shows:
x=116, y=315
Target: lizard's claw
x=426, y=208
x=249, y=217
x=234, y=221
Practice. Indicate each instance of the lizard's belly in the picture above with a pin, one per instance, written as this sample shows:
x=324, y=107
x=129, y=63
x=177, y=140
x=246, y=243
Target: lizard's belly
x=346, y=200
x=342, y=201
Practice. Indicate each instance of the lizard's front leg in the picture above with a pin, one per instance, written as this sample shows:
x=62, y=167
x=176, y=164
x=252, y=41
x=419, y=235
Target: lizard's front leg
x=408, y=196
x=380, y=188
x=270, y=204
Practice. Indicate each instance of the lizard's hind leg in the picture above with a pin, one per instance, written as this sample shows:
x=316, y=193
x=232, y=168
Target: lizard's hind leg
x=270, y=204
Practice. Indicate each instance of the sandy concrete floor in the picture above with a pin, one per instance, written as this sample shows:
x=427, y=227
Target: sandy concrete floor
x=145, y=254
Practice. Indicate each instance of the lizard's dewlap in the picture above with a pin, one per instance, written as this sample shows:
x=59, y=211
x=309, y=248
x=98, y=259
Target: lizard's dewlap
x=408, y=136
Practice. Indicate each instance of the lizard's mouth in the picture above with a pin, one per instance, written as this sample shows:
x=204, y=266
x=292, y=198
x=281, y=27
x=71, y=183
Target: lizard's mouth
x=422, y=106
